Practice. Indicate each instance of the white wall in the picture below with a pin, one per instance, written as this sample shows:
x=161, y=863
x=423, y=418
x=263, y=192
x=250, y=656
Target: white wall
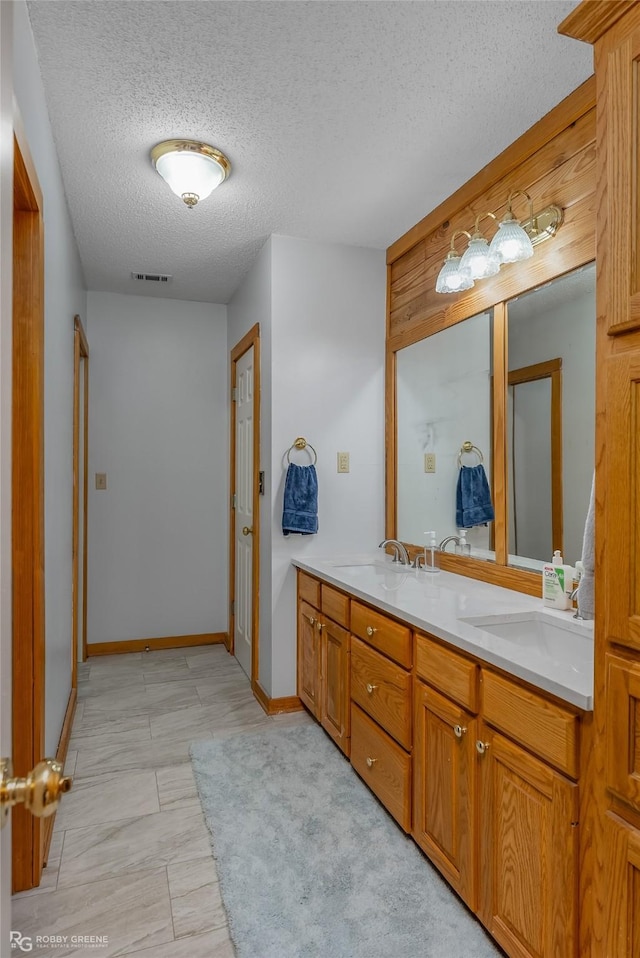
x=64, y=297
x=251, y=304
x=6, y=229
x=158, y=409
x=327, y=381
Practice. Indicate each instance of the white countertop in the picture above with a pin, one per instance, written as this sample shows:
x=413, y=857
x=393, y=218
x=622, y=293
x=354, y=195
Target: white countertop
x=440, y=602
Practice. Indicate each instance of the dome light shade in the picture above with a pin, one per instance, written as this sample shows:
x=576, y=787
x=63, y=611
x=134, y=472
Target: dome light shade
x=479, y=259
x=191, y=169
x=453, y=278
x=511, y=244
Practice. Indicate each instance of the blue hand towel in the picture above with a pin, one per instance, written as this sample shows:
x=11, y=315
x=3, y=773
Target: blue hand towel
x=300, y=512
x=473, y=498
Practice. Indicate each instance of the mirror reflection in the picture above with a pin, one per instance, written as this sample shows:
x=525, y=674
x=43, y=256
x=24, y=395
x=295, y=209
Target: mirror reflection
x=443, y=395
x=551, y=417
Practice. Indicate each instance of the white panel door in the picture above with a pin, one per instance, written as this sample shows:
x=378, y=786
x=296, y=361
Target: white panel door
x=243, y=592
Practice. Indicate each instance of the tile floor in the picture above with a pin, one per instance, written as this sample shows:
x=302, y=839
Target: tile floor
x=130, y=857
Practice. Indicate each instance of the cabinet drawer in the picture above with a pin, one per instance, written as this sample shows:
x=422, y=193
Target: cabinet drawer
x=335, y=605
x=541, y=726
x=452, y=674
x=382, y=689
x=383, y=633
x=384, y=766
x=309, y=589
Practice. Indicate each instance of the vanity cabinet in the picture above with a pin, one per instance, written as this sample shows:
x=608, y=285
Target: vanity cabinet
x=381, y=698
x=323, y=656
x=481, y=768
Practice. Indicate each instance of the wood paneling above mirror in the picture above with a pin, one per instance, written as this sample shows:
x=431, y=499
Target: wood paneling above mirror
x=555, y=162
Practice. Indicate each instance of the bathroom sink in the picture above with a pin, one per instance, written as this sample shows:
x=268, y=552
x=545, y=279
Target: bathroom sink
x=379, y=568
x=532, y=629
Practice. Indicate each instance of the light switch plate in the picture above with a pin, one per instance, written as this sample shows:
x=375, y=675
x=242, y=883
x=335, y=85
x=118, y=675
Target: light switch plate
x=101, y=480
x=429, y=462
x=343, y=462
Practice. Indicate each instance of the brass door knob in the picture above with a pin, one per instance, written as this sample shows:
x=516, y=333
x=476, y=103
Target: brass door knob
x=371, y=630
x=459, y=730
x=40, y=791
x=481, y=747
x=371, y=688
x=310, y=619
x=247, y=531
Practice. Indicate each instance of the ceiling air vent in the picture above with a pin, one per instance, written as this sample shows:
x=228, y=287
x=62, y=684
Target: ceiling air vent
x=152, y=277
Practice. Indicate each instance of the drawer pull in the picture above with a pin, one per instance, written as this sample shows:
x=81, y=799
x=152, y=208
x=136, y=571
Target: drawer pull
x=371, y=688
x=371, y=762
x=459, y=730
x=481, y=747
x=371, y=630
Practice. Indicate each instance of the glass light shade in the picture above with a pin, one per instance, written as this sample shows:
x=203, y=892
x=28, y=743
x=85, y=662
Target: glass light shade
x=479, y=259
x=511, y=243
x=452, y=278
x=190, y=173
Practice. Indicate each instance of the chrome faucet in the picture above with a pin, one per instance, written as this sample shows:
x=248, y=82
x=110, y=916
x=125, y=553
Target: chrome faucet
x=447, y=540
x=400, y=554
x=574, y=595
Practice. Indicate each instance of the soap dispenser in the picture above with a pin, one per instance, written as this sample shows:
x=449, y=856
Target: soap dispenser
x=463, y=548
x=431, y=553
x=557, y=582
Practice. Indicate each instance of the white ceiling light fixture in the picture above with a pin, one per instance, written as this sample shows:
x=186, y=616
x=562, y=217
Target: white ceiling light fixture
x=454, y=277
x=191, y=169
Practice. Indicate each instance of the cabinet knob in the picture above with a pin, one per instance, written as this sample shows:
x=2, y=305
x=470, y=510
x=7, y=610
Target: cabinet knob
x=481, y=747
x=371, y=630
x=247, y=531
x=459, y=730
x=371, y=762
x=371, y=688
x=319, y=625
x=310, y=619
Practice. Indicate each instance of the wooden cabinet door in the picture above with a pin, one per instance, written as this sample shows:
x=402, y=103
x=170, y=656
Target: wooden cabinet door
x=623, y=899
x=528, y=852
x=309, y=657
x=444, y=787
x=335, y=711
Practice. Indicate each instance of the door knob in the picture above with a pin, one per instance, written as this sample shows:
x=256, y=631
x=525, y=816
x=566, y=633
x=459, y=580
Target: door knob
x=247, y=531
x=40, y=791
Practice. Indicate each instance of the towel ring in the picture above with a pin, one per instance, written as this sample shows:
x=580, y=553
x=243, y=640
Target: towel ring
x=469, y=447
x=302, y=443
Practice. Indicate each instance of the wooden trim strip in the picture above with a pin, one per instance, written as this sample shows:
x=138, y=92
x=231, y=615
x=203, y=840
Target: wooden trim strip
x=289, y=703
x=555, y=122
x=528, y=374
x=61, y=756
x=75, y=534
x=165, y=642
x=85, y=496
x=499, y=473
x=590, y=20
x=79, y=328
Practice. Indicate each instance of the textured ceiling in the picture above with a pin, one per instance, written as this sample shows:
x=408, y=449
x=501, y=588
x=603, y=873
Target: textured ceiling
x=344, y=121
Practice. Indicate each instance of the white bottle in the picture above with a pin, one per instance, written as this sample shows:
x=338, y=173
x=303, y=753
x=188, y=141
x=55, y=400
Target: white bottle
x=557, y=583
x=463, y=547
x=431, y=554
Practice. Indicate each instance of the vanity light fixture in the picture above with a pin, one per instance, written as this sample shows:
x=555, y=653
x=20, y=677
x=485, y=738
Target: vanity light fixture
x=453, y=277
x=190, y=168
x=513, y=242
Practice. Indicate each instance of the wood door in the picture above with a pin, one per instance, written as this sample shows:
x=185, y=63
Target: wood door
x=244, y=519
x=309, y=658
x=623, y=927
x=528, y=852
x=444, y=787
x=6, y=223
x=242, y=636
x=335, y=710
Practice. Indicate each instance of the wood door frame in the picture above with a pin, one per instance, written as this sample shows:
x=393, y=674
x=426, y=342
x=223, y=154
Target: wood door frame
x=252, y=338
x=551, y=369
x=27, y=535
x=80, y=351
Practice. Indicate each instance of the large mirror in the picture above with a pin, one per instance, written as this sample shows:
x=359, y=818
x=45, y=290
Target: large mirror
x=445, y=396
x=551, y=417
x=443, y=400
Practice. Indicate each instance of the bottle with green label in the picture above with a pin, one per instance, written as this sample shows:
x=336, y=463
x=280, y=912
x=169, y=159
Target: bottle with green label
x=557, y=582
